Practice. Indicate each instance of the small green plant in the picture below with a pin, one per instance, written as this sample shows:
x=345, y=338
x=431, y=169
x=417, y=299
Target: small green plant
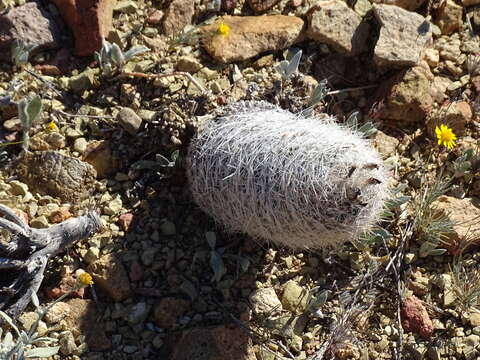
x=21, y=52
x=465, y=284
x=431, y=226
x=463, y=164
x=19, y=348
x=161, y=165
x=28, y=111
x=111, y=58
x=288, y=67
x=317, y=96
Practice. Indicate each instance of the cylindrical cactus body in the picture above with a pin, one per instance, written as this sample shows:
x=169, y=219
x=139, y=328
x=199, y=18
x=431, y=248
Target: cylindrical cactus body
x=296, y=181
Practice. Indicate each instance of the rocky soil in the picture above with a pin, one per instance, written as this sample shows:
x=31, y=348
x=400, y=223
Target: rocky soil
x=116, y=142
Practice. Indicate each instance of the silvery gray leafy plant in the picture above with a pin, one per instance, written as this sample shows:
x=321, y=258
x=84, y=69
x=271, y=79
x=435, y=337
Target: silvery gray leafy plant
x=287, y=68
x=111, y=57
x=21, y=52
x=28, y=111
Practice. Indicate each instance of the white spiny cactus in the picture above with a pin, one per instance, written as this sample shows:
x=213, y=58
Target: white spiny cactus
x=296, y=181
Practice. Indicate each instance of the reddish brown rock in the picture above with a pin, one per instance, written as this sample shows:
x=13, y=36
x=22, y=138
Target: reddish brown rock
x=125, y=221
x=59, y=215
x=136, y=271
x=415, y=317
x=110, y=275
x=22, y=214
x=47, y=69
x=168, y=310
x=29, y=23
x=66, y=284
x=178, y=15
x=214, y=343
x=155, y=17
x=89, y=20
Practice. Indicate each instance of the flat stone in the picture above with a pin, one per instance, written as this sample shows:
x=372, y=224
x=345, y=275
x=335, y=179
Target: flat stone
x=18, y=188
x=385, y=144
x=99, y=155
x=250, y=36
x=83, y=81
x=129, y=120
x=90, y=21
x=178, y=15
x=332, y=22
x=29, y=23
x=474, y=317
x=403, y=35
x=111, y=277
x=80, y=145
x=188, y=64
x=265, y=301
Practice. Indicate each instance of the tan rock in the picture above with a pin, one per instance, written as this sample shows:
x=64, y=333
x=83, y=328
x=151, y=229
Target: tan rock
x=465, y=215
x=409, y=95
x=265, y=301
x=332, y=22
x=110, y=275
x=100, y=156
x=178, y=15
x=470, y=2
x=385, y=144
x=90, y=21
x=402, y=37
x=405, y=4
x=449, y=17
x=251, y=35
x=214, y=343
x=294, y=297
x=432, y=57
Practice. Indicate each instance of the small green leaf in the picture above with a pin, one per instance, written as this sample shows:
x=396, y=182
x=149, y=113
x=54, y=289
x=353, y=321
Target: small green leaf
x=211, y=239
x=217, y=265
x=136, y=50
x=352, y=121
x=437, y=252
x=42, y=352
x=368, y=129
x=35, y=301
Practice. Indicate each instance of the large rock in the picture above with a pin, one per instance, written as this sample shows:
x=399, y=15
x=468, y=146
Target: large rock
x=332, y=22
x=214, y=343
x=251, y=35
x=265, y=301
x=29, y=23
x=178, y=15
x=415, y=317
x=405, y=4
x=403, y=35
x=90, y=21
x=54, y=174
x=168, y=310
x=408, y=96
x=110, y=275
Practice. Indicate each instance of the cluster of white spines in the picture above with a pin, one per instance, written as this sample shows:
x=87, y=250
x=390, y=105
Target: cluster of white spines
x=296, y=181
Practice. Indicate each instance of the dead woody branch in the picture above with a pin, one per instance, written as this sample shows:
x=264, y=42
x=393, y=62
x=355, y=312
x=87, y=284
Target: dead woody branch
x=24, y=257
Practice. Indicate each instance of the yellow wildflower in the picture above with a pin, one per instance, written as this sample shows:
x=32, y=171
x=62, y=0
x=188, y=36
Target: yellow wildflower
x=85, y=279
x=51, y=126
x=445, y=136
x=223, y=29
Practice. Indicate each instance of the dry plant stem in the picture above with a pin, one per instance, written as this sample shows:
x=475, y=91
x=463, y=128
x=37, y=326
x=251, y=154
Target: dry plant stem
x=85, y=116
x=157, y=76
x=24, y=258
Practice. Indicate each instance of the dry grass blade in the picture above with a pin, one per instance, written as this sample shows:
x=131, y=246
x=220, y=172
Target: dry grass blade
x=465, y=284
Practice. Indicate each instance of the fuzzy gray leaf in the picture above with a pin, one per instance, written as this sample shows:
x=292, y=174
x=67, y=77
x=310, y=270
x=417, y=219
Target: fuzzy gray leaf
x=211, y=239
x=217, y=265
x=34, y=108
x=136, y=50
x=42, y=352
